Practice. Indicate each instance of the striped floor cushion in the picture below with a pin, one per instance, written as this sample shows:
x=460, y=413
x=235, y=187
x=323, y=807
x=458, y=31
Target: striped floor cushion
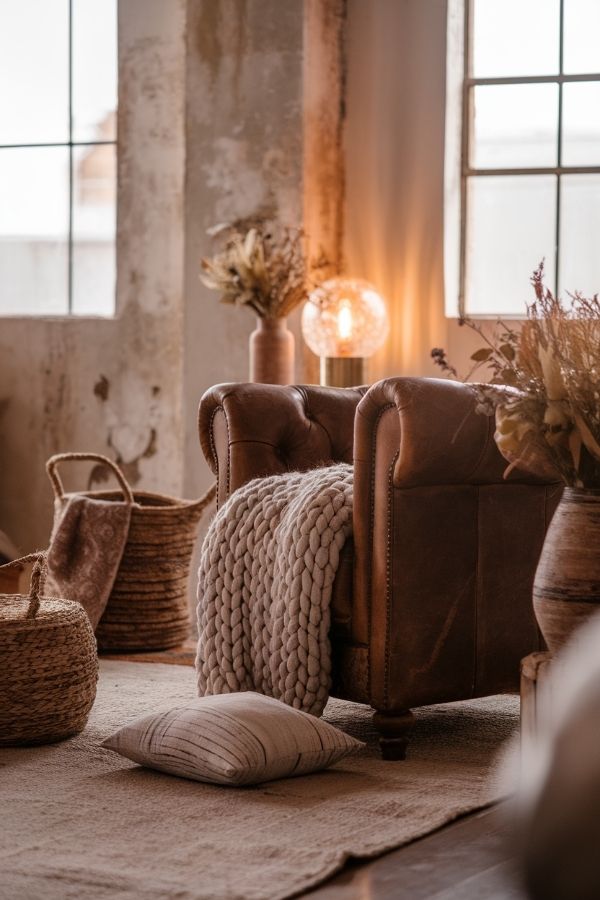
x=236, y=739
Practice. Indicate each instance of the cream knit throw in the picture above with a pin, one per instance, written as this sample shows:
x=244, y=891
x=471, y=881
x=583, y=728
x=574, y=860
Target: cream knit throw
x=265, y=581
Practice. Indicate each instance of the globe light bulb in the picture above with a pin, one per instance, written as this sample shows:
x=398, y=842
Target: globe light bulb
x=344, y=321
x=344, y=317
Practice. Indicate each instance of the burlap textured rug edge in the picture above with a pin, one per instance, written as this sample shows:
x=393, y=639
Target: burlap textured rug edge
x=352, y=858
x=80, y=820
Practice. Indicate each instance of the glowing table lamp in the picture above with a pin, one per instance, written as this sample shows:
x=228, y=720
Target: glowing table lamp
x=344, y=321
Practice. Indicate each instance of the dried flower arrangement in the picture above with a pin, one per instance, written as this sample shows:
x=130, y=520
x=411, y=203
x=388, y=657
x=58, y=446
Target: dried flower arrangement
x=548, y=415
x=261, y=265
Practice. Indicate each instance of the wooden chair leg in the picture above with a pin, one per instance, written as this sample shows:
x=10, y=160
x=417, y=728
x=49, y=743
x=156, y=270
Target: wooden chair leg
x=394, y=731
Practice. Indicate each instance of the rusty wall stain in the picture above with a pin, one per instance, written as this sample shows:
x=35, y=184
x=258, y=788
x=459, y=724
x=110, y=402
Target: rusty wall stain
x=323, y=122
x=239, y=44
x=102, y=388
x=207, y=31
x=325, y=89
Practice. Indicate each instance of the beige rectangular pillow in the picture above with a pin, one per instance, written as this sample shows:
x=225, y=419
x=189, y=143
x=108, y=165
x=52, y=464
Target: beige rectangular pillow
x=241, y=738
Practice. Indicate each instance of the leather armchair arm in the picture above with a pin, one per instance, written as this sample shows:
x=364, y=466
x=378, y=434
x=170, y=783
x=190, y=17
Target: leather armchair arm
x=249, y=430
x=434, y=433
x=411, y=432
x=444, y=545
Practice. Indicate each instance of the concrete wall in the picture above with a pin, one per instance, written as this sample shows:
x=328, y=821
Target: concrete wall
x=244, y=155
x=264, y=112
x=112, y=386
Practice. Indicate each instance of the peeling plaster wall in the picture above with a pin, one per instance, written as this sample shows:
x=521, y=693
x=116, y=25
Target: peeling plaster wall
x=244, y=154
x=112, y=386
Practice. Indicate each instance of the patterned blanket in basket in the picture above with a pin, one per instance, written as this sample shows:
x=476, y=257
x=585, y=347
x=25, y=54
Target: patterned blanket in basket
x=265, y=582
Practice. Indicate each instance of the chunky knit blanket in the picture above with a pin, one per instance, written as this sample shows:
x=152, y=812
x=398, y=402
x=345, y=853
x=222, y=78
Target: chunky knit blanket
x=265, y=581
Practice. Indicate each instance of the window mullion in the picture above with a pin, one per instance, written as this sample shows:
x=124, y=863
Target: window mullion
x=559, y=148
x=534, y=170
x=70, y=237
x=561, y=78
x=465, y=152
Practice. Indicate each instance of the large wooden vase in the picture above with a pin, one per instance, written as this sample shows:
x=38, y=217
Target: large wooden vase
x=566, y=590
x=272, y=352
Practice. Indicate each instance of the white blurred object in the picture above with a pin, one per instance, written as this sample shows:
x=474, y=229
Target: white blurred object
x=559, y=784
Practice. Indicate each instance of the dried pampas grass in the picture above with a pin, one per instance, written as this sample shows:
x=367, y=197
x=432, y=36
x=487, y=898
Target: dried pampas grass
x=544, y=385
x=261, y=265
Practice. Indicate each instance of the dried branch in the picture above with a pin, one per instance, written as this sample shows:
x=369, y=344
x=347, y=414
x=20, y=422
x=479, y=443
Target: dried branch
x=550, y=421
x=261, y=265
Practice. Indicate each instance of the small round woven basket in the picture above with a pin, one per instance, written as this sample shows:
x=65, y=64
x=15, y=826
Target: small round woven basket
x=148, y=607
x=48, y=664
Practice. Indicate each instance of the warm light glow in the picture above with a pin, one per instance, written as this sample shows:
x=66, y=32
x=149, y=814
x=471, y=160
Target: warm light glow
x=344, y=322
x=344, y=317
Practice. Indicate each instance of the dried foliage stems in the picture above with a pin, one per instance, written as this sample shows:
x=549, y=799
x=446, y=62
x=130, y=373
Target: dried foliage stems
x=545, y=385
x=261, y=266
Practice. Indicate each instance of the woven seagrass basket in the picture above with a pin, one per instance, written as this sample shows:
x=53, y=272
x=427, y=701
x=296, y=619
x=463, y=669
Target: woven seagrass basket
x=48, y=664
x=148, y=605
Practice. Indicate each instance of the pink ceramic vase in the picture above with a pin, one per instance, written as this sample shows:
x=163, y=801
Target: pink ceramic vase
x=272, y=352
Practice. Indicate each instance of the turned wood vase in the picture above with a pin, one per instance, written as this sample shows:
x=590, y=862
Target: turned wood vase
x=566, y=589
x=272, y=352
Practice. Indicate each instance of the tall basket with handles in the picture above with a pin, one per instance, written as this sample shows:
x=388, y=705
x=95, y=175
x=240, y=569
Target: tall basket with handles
x=148, y=605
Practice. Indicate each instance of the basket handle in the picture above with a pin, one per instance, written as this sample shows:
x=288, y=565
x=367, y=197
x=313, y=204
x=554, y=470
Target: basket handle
x=59, y=491
x=38, y=578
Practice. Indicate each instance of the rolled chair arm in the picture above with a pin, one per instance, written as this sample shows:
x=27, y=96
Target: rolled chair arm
x=432, y=429
x=423, y=457
x=251, y=430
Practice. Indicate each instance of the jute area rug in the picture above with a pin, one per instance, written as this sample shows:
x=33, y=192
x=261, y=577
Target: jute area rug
x=80, y=822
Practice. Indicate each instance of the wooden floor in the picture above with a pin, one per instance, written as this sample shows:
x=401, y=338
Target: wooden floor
x=468, y=860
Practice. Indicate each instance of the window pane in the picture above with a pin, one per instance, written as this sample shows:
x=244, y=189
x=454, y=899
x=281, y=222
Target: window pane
x=94, y=70
x=34, y=224
x=579, y=230
x=581, y=124
x=515, y=125
x=515, y=37
x=511, y=227
x=581, y=51
x=34, y=71
x=94, y=220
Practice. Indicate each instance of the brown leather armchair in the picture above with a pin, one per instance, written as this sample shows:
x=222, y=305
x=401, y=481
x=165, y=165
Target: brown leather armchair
x=432, y=600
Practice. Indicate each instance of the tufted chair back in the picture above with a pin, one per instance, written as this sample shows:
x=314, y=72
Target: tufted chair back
x=266, y=429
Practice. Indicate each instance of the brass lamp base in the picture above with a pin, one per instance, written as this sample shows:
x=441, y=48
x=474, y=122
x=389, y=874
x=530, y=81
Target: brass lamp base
x=342, y=371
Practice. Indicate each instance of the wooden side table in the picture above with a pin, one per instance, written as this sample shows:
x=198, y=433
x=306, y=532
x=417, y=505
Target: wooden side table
x=9, y=581
x=536, y=691
x=9, y=578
